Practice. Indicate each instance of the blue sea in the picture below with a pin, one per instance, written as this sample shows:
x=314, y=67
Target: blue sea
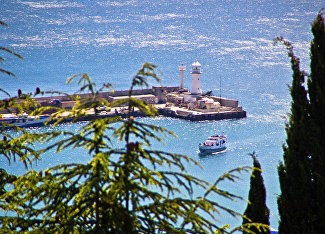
x=110, y=40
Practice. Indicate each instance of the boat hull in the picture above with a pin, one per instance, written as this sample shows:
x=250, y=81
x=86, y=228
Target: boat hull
x=25, y=122
x=211, y=150
x=34, y=123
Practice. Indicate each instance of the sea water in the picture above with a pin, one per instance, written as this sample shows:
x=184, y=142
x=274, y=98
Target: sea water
x=110, y=40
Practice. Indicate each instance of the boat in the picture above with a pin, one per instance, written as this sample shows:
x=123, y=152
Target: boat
x=213, y=144
x=24, y=121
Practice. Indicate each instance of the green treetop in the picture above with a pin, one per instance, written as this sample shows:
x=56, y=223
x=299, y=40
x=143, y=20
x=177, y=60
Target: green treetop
x=256, y=212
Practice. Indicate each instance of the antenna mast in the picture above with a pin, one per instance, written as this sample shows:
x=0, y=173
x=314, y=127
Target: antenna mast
x=220, y=90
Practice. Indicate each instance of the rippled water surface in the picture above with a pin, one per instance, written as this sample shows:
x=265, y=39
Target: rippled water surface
x=232, y=39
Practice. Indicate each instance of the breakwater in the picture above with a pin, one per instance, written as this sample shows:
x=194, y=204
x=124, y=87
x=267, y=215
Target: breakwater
x=196, y=116
x=169, y=101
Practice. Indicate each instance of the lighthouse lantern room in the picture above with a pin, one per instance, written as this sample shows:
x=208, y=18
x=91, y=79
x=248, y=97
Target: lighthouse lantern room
x=196, y=72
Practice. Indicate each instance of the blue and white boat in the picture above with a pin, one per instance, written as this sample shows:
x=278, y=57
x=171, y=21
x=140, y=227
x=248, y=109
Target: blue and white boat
x=213, y=144
x=24, y=121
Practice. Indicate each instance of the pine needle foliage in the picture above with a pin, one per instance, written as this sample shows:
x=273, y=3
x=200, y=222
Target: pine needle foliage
x=13, y=148
x=130, y=189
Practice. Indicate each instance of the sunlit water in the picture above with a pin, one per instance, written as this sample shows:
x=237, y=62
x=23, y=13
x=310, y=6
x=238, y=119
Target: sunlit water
x=110, y=40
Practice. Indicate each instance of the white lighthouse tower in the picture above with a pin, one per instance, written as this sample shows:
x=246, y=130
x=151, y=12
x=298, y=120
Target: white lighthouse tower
x=182, y=68
x=196, y=72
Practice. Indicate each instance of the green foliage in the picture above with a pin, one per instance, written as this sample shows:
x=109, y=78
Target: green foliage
x=5, y=178
x=12, y=147
x=316, y=91
x=302, y=177
x=9, y=102
x=133, y=189
x=295, y=177
x=256, y=215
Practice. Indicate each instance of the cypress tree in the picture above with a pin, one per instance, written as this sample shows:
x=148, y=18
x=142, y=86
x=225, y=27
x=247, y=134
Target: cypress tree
x=256, y=211
x=316, y=90
x=294, y=174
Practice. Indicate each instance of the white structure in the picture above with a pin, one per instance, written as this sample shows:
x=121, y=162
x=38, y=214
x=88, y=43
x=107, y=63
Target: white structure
x=196, y=72
x=182, y=68
x=213, y=144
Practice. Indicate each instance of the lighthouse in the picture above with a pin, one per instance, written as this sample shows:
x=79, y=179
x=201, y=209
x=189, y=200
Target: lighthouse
x=196, y=72
x=182, y=68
